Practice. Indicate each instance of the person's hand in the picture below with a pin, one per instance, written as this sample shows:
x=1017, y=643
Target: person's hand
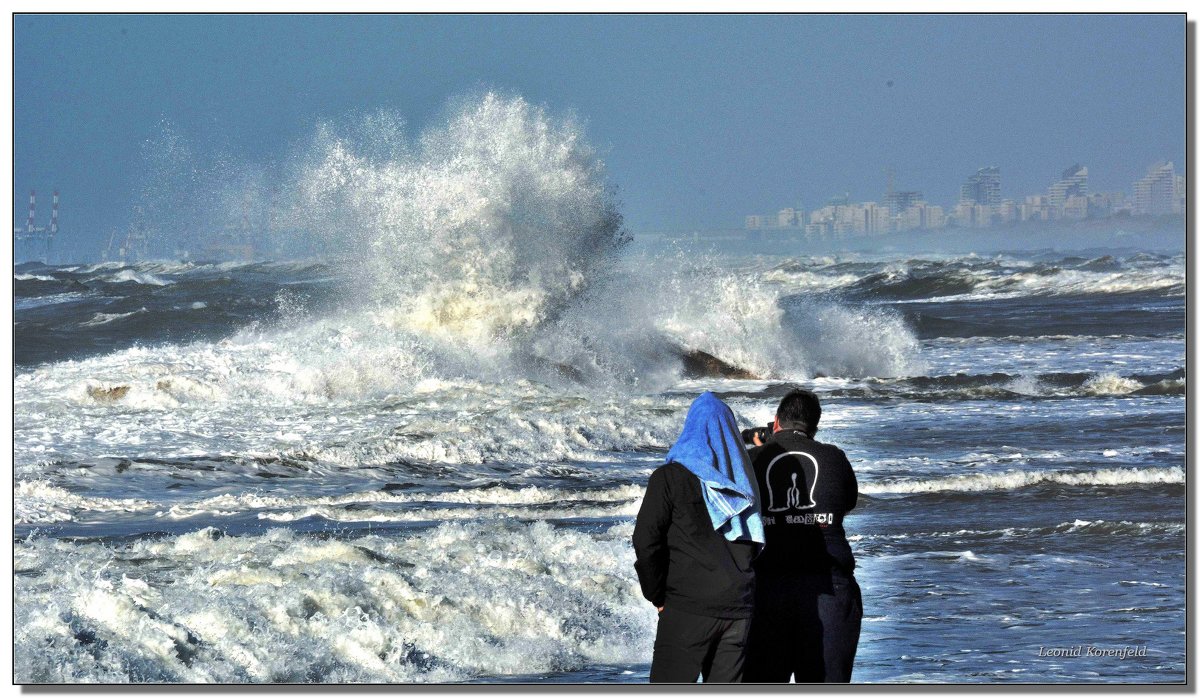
x=757, y=440
x=660, y=609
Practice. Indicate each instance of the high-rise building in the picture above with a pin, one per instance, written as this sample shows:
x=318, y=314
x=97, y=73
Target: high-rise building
x=982, y=188
x=932, y=217
x=789, y=218
x=877, y=219
x=969, y=215
x=1105, y=203
x=1008, y=211
x=816, y=231
x=1074, y=182
x=1075, y=207
x=857, y=216
x=919, y=215
x=1035, y=208
x=900, y=201
x=1154, y=194
x=910, y=219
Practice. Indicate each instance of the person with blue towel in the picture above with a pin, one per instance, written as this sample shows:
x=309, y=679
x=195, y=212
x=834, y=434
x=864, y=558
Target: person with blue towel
x=697, y=532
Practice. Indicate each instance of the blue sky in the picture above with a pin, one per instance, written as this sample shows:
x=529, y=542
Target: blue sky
x=700, y=119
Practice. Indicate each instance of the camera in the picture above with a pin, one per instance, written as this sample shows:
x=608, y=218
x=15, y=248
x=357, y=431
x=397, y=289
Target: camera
x=761, y=432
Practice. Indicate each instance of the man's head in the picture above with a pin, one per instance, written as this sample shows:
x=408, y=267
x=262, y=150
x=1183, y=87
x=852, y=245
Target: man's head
x=801, y=410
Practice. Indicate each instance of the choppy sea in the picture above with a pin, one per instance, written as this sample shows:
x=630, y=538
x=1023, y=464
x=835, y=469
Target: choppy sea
x=253, y=472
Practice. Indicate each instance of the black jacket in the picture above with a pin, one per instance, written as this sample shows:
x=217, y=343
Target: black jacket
x=806, y=488
x=681, y=561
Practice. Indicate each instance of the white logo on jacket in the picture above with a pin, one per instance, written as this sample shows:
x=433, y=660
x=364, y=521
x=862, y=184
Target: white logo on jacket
x=800, y=468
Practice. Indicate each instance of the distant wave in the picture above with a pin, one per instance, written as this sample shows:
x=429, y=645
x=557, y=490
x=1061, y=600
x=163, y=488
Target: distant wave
x=1096, y=527
x=105, y=318
x=975, y=278
x=22, y=304
x=1001, y=386
x=1017, y=479
x=134, y=276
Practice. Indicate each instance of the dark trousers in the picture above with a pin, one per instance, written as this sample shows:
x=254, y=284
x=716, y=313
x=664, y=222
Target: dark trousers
x=806, y=625
x=688, y=646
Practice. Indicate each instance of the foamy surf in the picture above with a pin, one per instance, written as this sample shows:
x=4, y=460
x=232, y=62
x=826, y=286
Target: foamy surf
x=452, y=603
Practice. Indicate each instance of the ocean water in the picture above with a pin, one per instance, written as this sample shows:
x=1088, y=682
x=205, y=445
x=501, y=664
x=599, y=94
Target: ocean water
x=422, y=464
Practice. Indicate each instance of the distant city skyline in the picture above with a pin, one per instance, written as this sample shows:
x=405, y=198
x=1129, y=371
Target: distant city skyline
x=983, y=203
x=699, y=118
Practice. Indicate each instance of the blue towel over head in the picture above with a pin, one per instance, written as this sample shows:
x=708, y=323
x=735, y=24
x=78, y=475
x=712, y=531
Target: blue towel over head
x=711, y=447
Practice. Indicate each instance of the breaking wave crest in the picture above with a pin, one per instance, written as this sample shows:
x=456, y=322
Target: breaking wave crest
x=1017, y=479
x=39, y=502
x=1004, y=386
x=977, y=278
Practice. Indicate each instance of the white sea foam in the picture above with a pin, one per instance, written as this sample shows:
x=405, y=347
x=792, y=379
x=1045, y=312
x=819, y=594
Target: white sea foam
x=447, y=604
x=36, y=501
x=243, y=400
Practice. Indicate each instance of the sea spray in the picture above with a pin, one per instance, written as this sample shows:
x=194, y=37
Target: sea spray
x=487, y=248
x=481, y=228
x=852, y=340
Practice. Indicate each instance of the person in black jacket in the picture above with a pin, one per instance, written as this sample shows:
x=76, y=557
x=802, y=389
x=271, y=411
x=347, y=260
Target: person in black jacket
x=696, y=535
x=808, y=606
